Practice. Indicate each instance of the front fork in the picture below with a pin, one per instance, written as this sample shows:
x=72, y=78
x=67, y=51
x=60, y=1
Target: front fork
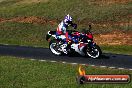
x=90, y=46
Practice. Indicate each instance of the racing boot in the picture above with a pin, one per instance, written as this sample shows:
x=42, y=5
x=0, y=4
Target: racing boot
x=63, y=47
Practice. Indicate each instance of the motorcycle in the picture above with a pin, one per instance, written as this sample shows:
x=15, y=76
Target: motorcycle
x=85, y=45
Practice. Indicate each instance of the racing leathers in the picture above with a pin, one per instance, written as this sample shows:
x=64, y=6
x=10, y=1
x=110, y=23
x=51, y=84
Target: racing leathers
x=63, y=35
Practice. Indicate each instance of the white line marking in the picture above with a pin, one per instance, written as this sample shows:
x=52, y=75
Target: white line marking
x=120, y=68
x=103, y=66
x=130, y=69
x=42, y=60
x=22, y=58
x=92, y=65
x=32, y=59
x=6, y=44
x=53, y=61
x=63, y=62
x=111, y=67
x=83, y=64
x=73, y=63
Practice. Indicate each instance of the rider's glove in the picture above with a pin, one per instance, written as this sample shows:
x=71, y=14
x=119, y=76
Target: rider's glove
x=74, y=26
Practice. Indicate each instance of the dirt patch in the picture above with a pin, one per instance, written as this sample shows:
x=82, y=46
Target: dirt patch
x=114, y=38
x=28, y=20
x=1, y=19
x=109, y=22
x=31, y=1
x=41, y=20
x=32, y=19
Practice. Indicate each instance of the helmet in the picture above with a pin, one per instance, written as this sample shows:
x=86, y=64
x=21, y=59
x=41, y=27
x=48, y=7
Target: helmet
x=68, y=19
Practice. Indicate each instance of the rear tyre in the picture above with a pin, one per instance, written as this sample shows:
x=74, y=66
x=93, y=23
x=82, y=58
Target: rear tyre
x=53, y=46
x=94, y=52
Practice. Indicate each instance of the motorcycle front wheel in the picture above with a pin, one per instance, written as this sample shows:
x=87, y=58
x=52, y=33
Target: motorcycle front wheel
x=94, y=52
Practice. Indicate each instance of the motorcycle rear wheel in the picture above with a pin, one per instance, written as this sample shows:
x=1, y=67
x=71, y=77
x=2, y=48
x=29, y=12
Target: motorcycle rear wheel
x=54, y=48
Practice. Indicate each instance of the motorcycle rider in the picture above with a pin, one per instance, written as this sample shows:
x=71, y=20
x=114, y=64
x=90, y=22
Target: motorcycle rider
x=62, y=33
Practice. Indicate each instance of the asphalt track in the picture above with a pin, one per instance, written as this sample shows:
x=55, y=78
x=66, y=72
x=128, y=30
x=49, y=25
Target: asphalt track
x=107, y=59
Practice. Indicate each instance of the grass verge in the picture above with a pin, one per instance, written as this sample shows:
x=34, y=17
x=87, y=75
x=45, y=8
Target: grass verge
x=21, y=73
x=28, y=34
x=118, y=49
x=54, y=9
x=23, y=34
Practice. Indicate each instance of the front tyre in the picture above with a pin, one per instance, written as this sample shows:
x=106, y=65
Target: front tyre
x=94, y=52
x=53, y=45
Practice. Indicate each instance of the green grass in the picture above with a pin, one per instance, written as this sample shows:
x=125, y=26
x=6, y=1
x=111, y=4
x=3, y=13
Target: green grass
x=119, y=49
x=54, y=9
x=21, y=73
x=27, y=34
x=124, y=27
x=23, y=34
x=17, y=73
x=83, y=12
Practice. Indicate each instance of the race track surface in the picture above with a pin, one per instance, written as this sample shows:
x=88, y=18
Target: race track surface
x=110, y=60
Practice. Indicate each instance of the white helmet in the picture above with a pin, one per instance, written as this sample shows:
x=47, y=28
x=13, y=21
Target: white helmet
x=68, y=19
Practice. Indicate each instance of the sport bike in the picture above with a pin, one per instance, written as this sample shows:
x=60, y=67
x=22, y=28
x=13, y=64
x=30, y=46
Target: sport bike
x=84, y=47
